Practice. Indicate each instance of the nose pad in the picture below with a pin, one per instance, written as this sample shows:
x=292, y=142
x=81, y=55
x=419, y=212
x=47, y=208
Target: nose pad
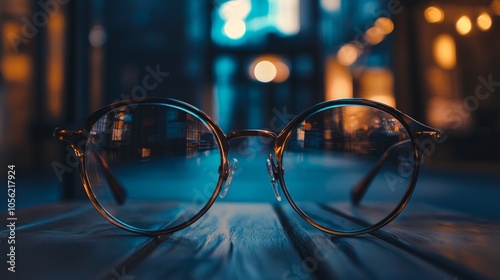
x=232, y=169
x=272, y=171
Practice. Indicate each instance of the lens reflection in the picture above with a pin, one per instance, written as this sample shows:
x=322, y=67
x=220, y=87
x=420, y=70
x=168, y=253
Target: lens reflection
x=340, y=149
x=152, y=167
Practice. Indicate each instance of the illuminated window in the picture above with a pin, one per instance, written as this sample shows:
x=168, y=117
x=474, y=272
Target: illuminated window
x=99, y=126
x=193, y=128
x=377, y=84
x=249, y=21
x=301, y=134
x=193, y=136
x=119, y=126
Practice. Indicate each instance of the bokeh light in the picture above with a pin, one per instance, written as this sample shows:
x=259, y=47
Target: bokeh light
x=282, y=71
x=444, y=51
x=269, y=68
x=377, y=84
x=434, y=14
x=235, y=28
x=463, y=25
x=265, y=71
x=330, y=5
x=374, y=35
x=484, y=21
x=347, y=54
x=495, y=7
x=97, y=36
x=385, y=24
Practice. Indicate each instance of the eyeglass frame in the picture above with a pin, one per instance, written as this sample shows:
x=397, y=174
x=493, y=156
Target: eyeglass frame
x=75, y=138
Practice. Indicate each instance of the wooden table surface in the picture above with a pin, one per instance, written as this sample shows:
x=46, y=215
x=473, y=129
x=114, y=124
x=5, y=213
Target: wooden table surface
x=449, y=230
x=252, y=241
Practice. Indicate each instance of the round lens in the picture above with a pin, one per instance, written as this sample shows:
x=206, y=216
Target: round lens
x=348, y=168
x=152, y=167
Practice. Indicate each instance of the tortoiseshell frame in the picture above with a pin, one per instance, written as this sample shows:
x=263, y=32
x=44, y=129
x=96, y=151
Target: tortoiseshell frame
x=77, y=139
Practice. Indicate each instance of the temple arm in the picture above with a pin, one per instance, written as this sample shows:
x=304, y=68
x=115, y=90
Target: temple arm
x=118, y=191
x=75, y=137
x=362, y=186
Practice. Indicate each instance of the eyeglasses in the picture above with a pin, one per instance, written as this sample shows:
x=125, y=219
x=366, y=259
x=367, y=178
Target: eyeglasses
x=157, y=165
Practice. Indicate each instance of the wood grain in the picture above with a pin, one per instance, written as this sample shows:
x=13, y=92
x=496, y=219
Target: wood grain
x=252, y=241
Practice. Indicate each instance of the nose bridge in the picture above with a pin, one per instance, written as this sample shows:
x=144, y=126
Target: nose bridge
x=271, y=167
x=251, y=133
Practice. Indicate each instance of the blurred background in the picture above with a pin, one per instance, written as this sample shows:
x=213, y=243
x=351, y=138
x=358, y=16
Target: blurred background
x=248, y=64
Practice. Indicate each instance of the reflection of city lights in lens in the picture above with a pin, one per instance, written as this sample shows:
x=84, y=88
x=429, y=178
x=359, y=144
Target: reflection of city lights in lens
x=463, y=25
x=374, y=35
x=385, y=24
x=484, y=21
x=434, y=14
x=347, y=54
x=235, y=28
x=265, y=71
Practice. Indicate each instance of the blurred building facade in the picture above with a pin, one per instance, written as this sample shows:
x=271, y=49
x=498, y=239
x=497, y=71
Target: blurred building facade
x=249, y=64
